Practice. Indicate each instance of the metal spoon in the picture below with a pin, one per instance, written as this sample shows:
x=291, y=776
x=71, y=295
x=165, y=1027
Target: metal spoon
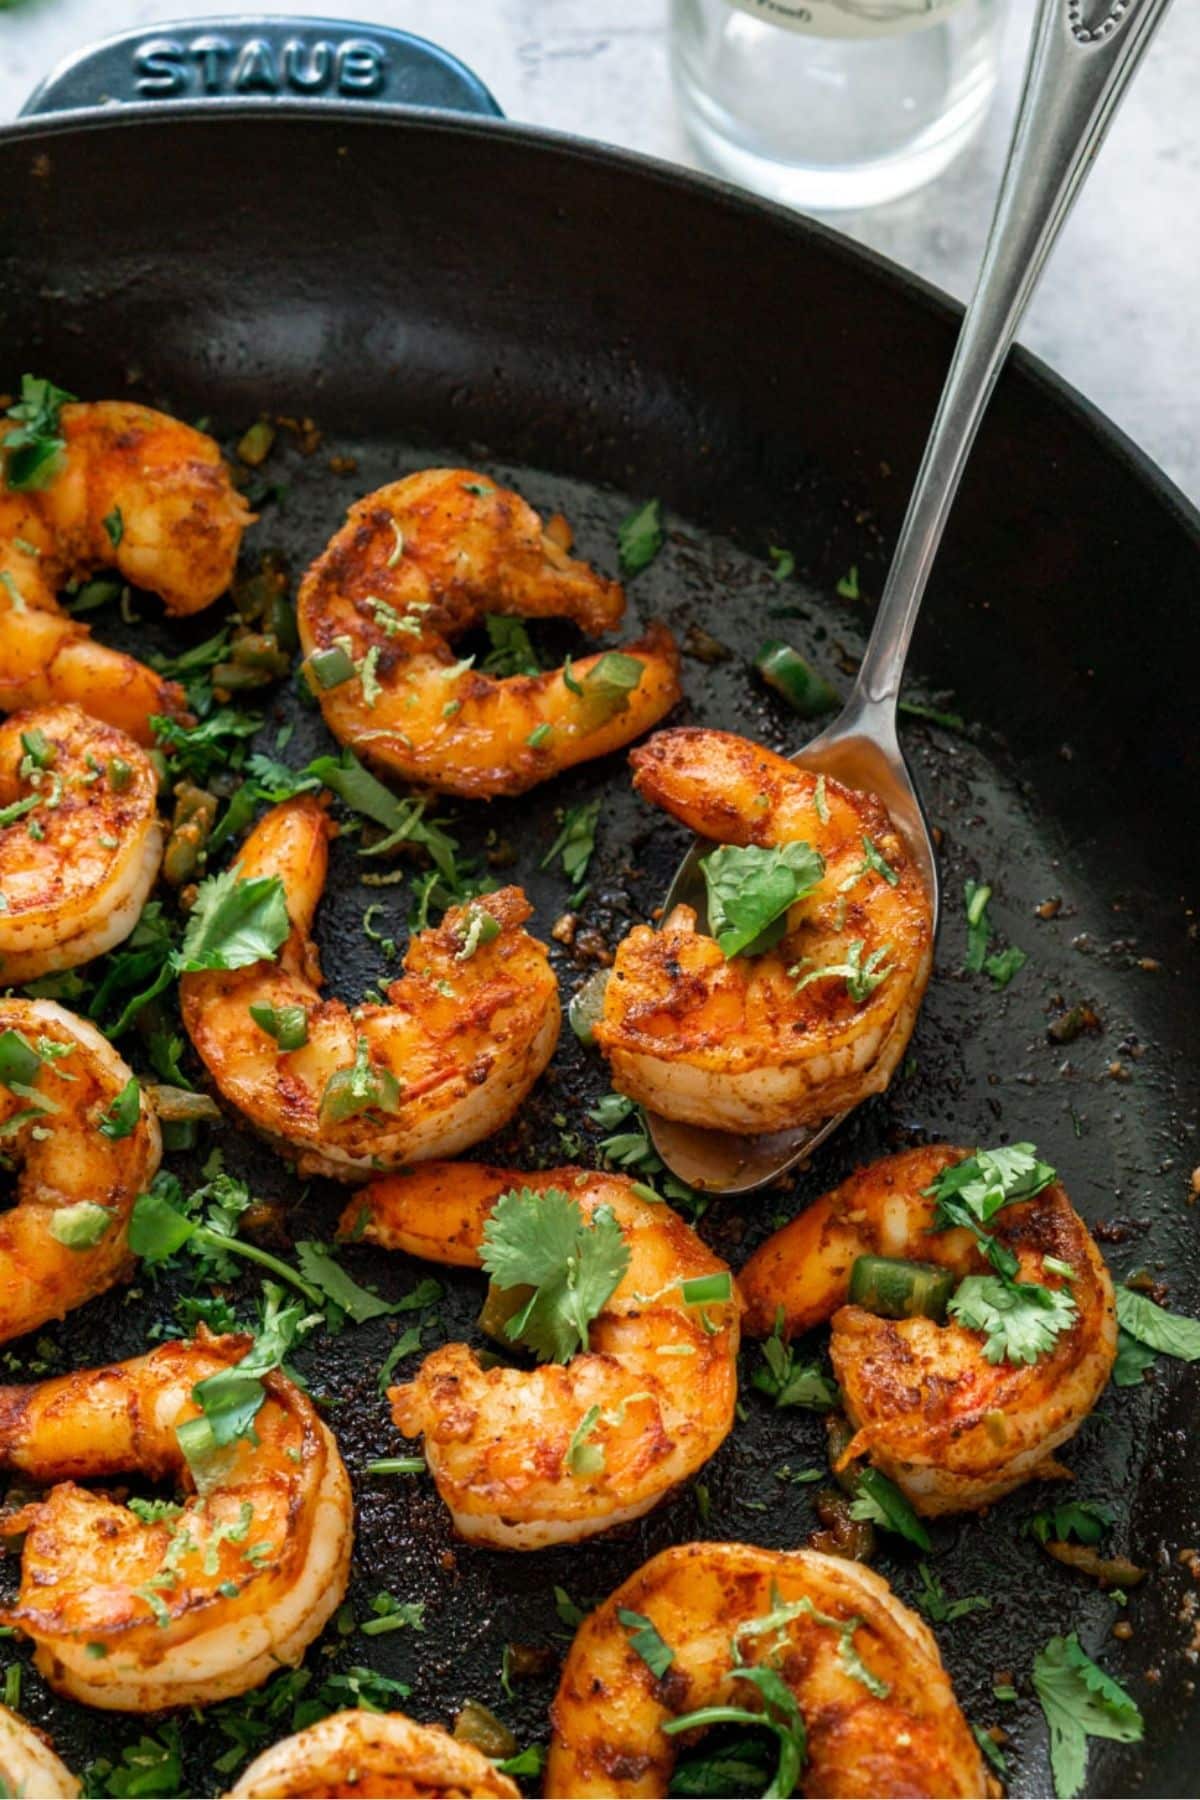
x=1083, y=55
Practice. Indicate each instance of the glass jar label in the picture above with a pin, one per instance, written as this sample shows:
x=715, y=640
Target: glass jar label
x=849, y=18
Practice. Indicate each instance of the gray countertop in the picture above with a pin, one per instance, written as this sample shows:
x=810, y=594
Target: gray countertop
x=1118, y=310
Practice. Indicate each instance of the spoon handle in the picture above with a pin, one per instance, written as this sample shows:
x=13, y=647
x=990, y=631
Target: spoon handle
x=1083, y=55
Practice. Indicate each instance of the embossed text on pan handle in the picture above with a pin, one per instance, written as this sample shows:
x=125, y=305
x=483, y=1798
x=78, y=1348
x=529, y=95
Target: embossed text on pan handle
x=1082, y=57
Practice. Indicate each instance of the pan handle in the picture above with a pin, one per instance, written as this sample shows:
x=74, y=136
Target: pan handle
x=260, y=58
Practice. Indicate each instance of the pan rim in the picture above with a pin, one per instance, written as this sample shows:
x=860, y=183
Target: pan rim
x=1022, y=363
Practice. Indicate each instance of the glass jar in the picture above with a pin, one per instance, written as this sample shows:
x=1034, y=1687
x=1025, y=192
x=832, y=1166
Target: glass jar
x=833, y=103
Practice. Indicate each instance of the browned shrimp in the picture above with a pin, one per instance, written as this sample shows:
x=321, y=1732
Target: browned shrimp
x=370, y=1755
x=82, y=843
x=135, y=1614
x=758, y=1043
x=652, y=1397
x=65, y=1240
x=463, y=1036
x=416, y=564
x=954, y=1430
x=132, y=490
x=880, y=1714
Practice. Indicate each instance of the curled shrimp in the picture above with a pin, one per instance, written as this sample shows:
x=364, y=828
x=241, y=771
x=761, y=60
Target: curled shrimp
x=132, y=490
x=28, y=1765
x=416, y=564
x=652, y=1397
x=134, y=1613
x=82, y=841
x=952, y=1429
x=372, y=1754
x=65, y=1240
x=880, y=1712
x=446, y=1060
x=759, y=1043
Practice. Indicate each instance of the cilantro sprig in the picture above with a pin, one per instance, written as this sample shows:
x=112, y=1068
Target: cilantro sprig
x=542, y=1241
x=1080, y=1701
x=1021, y=1320
x=1146, y=1327
x=788, y=1379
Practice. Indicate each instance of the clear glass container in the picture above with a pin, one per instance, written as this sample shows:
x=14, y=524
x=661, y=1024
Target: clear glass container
x=826, y=104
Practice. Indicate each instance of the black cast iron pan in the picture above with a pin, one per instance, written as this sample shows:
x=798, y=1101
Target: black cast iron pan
x=597, y=329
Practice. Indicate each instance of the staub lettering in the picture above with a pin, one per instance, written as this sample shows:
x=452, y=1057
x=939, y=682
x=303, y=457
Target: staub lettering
x=169, y=68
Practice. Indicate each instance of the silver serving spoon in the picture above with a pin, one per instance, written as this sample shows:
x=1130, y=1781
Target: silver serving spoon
x=1082, y=57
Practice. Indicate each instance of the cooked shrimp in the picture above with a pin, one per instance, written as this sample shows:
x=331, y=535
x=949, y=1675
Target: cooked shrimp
x=761, y=1043
x=880, y=1713
x=416, y=564
x=65, y=1239
x=28, y=1765
x=132, y=1614
x=136, y=491
x=83, y=841
x=952, y=1429
x=654, y=1393
x=371, y=1754
x=464, y=1034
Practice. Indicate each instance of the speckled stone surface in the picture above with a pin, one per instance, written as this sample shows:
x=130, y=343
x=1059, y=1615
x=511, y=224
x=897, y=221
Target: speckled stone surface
x=1118, y=311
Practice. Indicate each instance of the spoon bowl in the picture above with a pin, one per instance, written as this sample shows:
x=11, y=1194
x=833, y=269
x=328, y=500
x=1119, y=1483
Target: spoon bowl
x=861, y=753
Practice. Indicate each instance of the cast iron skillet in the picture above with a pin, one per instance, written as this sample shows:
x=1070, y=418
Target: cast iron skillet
x=597, y=329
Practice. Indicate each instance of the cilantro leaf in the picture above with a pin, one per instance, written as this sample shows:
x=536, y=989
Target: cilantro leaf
x=1079, y=1701
x=152, y=1766
x=780, y=1714
x=542, y=1240
x=645, y=1640
x=571, y=1615
x=321, y=1271
x=1133, y=1359
x=881, y=1501
x=511, y=653
x=1158, y=1329
x=403, y=820
x=120, y=1118
x=640, y=538
x=216, y=743
x=1085, y=1520
x=1022, y=1319
x=789, y=1381
x=32, y=451
x=750, y=890
x=576, y=842
x=935, y=1604
x=234, y=923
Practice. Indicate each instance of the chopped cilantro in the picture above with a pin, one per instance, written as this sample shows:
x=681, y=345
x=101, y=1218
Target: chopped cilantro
x=1152, y=1325
x=934, y=1603
x=788, y=1380
x=511, y=652
x=121, y=1116
x=32, y=451
x=878, y=1499
x=234, y=923
x=645, y=1640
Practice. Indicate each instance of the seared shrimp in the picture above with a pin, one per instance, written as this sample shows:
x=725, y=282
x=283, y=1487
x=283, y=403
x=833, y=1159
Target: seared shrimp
x=652, y=1397
x=133, y=490
x=83, y=842
x=416, y=564
x=880, y=1713
x=954, y=1430
x=463, y=1036
x=65, y=1239
x=369, y=1754
x=790, y=1037
x=28, y=1765
x=135, y=1614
